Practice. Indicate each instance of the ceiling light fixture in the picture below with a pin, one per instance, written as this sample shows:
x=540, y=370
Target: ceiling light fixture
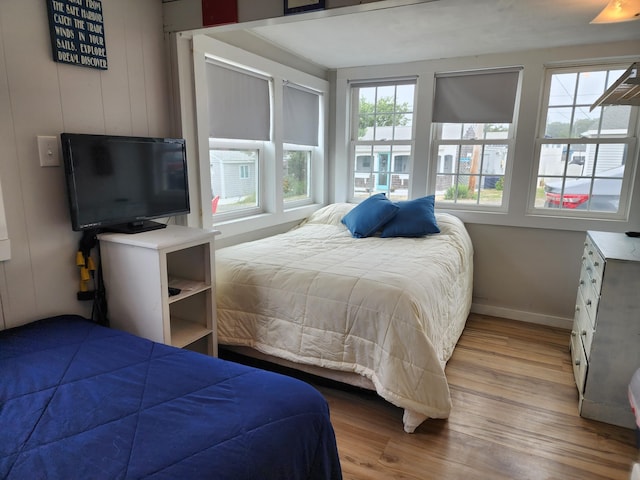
x=619, y=11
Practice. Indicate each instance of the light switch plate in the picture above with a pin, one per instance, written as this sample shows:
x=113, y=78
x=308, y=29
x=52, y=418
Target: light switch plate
x=48, y=151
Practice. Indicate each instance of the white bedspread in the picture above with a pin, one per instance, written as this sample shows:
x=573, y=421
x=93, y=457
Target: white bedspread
x=391, y=309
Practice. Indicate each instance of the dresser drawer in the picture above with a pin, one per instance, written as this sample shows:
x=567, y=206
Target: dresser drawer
x=582, y=324
x=579, y=361
x=590, y=297
x=593, y=263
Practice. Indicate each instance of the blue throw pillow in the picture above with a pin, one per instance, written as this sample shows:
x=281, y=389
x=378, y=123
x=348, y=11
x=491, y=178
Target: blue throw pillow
x=415, y=218
x=369, y=216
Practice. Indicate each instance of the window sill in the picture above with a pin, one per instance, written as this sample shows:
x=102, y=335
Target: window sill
x=237, y=228
x=532, y=220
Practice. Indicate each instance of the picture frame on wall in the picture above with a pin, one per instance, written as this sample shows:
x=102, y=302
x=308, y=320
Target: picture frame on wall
x=299, y=6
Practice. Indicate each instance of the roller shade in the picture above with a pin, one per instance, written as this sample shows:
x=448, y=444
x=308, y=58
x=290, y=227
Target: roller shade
x=301, y=115
x=479, y=97
x=239, y=104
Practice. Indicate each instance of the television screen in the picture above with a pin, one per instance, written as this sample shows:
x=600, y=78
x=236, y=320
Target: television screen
x=120, y=183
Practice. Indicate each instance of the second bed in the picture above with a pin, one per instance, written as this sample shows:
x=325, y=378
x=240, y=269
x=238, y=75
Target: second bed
x=382, y=313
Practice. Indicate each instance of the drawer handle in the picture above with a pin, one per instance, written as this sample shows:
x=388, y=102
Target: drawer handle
x=584, y=333
x=573, y=333
x=576, y=362
x=593, y=280
x=577, y=308
x=597, y=264
x=581, y=282
x=588, y=303
x=590, y=252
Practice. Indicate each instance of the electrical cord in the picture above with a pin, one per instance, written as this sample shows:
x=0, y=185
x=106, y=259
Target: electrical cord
x=89, y=272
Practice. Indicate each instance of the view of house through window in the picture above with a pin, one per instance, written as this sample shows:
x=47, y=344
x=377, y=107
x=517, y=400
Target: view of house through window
x=582, y=152
x=471, y=163
x=234, y=179
x=382, y=135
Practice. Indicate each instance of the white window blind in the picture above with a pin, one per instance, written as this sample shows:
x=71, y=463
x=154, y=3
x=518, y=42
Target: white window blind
x=478, y=97
x=301, y=116
x=239, y=104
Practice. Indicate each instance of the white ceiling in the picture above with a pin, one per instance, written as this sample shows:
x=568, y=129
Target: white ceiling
x=383, y=32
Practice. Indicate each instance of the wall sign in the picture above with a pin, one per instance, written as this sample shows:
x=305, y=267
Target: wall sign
x=77, y=32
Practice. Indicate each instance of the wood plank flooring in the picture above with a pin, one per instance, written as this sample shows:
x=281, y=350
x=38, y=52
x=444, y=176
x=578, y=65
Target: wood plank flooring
x=514, y=417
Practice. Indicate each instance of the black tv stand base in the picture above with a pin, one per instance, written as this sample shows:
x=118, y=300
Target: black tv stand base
x=136, y=227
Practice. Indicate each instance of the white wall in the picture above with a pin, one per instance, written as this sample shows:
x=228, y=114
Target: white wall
x=42, y=97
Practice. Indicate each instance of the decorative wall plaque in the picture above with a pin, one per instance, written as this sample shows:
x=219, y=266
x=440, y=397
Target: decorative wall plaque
x=77, y=32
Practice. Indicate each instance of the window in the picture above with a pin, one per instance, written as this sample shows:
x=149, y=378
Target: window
x=382, y=138
x=239, y=125
x=583, y=154
x=473, y=137
x=301, y=120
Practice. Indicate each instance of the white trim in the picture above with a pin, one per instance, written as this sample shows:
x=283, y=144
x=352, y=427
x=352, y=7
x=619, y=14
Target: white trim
x=523, y=316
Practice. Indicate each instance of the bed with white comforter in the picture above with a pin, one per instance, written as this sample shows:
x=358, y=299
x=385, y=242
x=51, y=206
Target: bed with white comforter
x=388, y=309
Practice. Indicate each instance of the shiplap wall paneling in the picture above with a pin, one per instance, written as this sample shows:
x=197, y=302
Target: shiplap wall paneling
x=43, y=97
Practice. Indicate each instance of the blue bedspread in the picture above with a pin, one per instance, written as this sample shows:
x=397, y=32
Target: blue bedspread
x=80, y=401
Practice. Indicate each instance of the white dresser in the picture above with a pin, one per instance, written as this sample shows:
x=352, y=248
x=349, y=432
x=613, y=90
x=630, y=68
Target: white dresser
x=605, y=338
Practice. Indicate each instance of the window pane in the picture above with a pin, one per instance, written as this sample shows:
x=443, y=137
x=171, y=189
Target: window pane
x=590, y=86
x=382, y=108
x=382, y=169
x=558, y=122
x=452, y=131
x=295, y=181
x=496, y=131
x=562, y=89
x=477, y=175
x=615, y=120
x=585, y=123
x=461, y=189
x=234, y=176
x=573, y=116
x=591, y=194
x=593, y=177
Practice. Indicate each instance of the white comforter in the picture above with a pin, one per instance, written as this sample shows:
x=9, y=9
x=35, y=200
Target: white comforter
x=391, y=309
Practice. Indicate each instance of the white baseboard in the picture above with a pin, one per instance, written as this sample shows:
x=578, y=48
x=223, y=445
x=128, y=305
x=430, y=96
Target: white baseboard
x=522, y=316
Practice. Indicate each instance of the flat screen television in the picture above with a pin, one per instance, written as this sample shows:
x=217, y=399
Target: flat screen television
x=119, y=183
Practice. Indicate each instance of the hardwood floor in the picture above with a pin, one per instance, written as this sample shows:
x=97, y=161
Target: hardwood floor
x=514, y=417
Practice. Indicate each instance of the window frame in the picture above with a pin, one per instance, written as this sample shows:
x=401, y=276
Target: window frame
x=354, y=142
x=630, y=140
